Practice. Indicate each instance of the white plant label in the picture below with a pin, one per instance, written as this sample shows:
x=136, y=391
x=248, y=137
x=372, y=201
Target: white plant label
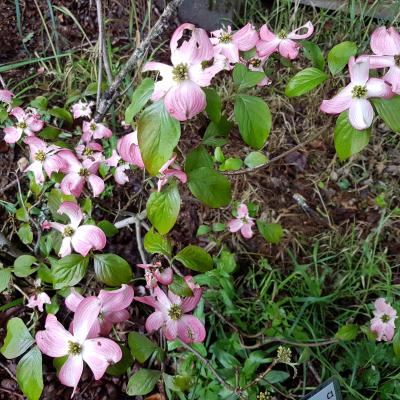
x=329, y=390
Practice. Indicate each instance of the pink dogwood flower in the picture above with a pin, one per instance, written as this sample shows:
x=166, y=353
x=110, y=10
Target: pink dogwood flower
x=182, y=82
x=6, y=96
x=113, y=307
x=155, y=273
x=82, y=109
x=99, y=353
x=383, y=322
x=27, y=124
x=79, y=173
x=94, y=130
x=243, y=222
x=120, y=167
x=166, y=173
x=43, y=157
x=229, y=44
x=385, y=43
x=282, y=42
x=91, y=150
x=128, y=149
x=38, y=300
x=354, y=97
x=81, y=238
x=170, y=316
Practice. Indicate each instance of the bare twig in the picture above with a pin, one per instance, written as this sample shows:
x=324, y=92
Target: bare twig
x=139, y=241
x=100, y=48
x=111, y=93
x=273, y=160
x=130, y=220
x=261, y=376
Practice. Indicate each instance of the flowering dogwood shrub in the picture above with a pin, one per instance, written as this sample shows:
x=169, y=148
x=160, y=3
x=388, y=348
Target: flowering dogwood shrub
x=73, y=157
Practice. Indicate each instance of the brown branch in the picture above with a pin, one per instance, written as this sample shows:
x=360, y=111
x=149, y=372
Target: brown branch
x=111, y=93
x=272, y=160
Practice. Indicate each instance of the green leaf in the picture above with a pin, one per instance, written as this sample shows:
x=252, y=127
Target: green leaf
x=5, y=276
x=254, y=120
x=18, y=339
x=23, y=265
x=347, y=332
x=314, y=54
x=197, y=158
x=111, y=269
x=226, y=262
x=142, y=382
x=139, y=99
x=219, y=155
x=158, y=134
x=216, y=133
x=141, y=346
x=180, y=287
x=388, y=110
x=163, y=208
x=231, y=164
x=348, y=140
x=339, y=56
x=91, y=89
x=244, y=78
x=49, y=133
x=396, y=343
x=195, y=258
x=155, y=243
x=304, y=81
x=22, y=215
x=213, y=108
x=29, y=374
x=271, y=232
x=25, y=233
x=39, y=102
x=255, y=159
x=108, y=228
x=123, y=364
x=62, y=114
x=69, y=270
x=210, y=187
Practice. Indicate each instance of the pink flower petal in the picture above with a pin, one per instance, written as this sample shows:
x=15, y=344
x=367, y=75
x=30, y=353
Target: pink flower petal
x=162, y=299
x=150, y=301
x=154, y=321
x=378, y=88
x=266, y=48
x=242, y=211
x=170, y=329
x=37, y=168
x=310, y=30
x=165, y=277
x=289, y=49
x=73, y=300
x=115, y=317
x=266, y=34
x=72, y=211
x=185, y=101
x=385, y=42
x=73, y=164
x=377, y=61
x=114, y=159
x=12, y=134
x=38, y=301
x=18, y=113
x=101, y=132
x=229, y=50
x=88, y=237
x=177, y=174
x=99, y=353
x=35, y=144
x=85, y=315
x=190, y=303
x=96, y=184
x=359, y=71
x=191, y=330
x=361, y=114
x=246, y=230
x=53, y=341
x=6, y=96
x=235, y=224
x=72, y=183
x=245, y=38
x=120, y=176
x=393, y=77
x=65, y=249
x=338, y=103
x=115, y=300
x=71, y=372
x=54, y=163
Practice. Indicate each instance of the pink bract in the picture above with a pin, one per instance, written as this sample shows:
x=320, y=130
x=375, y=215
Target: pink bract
x=282, y=42
x=155, y=273
x=38, y=300
x=6, y=96
x=166, y=173
x=82, y=109
x=93, y=130
x=383, y=322
x=82, y=238
x=181, y=83
x=354, y=97
x=128, y=149
x=98, y=353
x=243, y=222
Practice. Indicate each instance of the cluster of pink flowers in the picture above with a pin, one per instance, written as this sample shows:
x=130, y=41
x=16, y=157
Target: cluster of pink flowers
x=385, y=43
x=197, y=60
x=383, y=322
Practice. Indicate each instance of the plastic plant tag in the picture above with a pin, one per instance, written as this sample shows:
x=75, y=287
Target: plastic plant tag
x=329, y=390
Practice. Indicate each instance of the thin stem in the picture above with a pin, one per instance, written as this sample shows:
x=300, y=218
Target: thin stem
x=261, y=376
x=100, y=48
x=139, y=241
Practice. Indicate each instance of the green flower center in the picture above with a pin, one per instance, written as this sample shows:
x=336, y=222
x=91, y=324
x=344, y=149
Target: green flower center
x=282, y=34
x=175, y=312
x=93, y=126
x=359, y=92
x=255, y=62
x=385, y=318
x=225, y=37
x=68, y=231
x=88, y=151
x=74, y=349
x=180, y=72
x=84, y=172
x=40, y=155
x=397, y=60
x=22, y=125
